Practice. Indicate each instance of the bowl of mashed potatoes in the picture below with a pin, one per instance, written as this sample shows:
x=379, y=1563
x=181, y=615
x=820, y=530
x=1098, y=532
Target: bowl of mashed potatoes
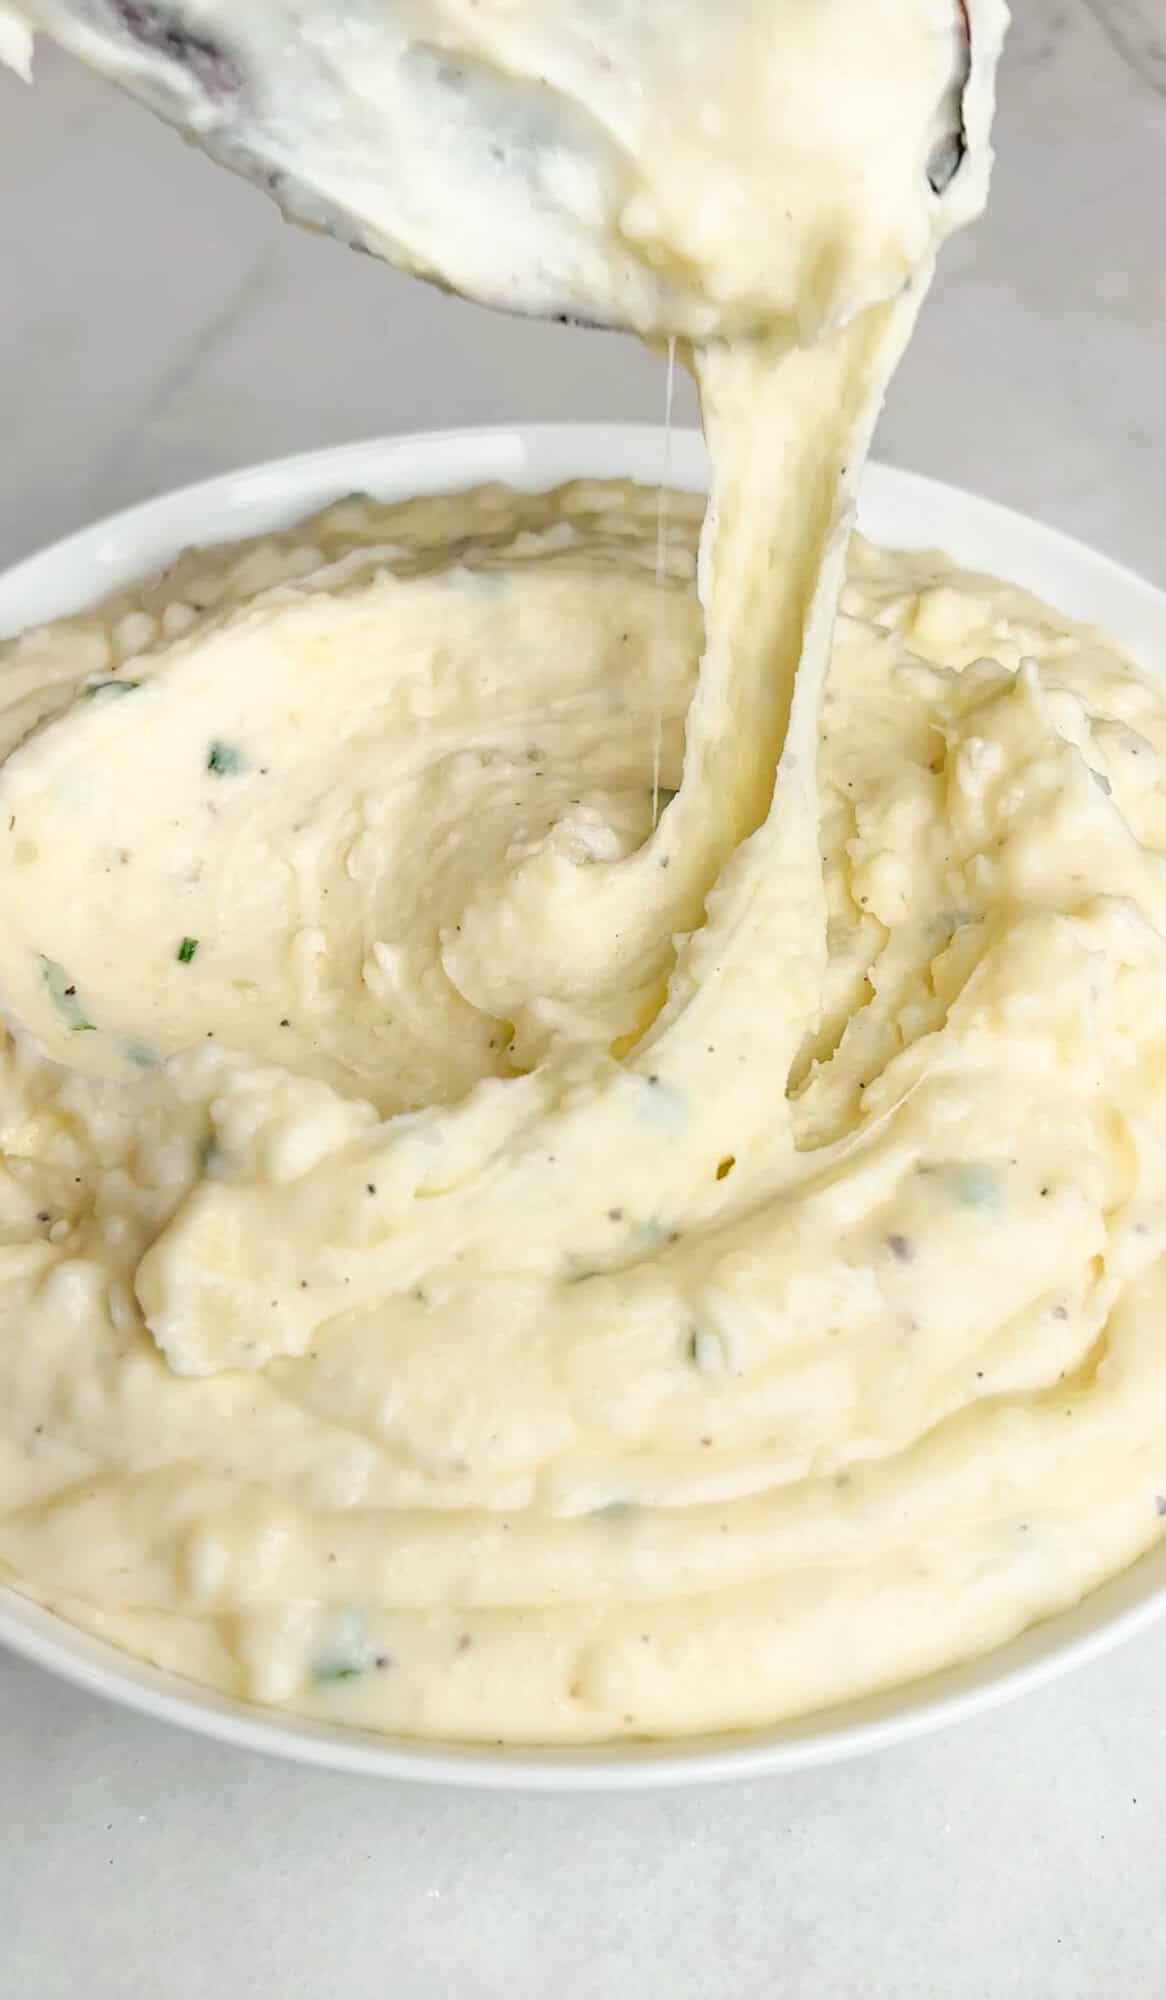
x=484, y=1300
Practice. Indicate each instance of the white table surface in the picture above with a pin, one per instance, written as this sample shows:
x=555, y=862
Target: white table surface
x=157, y=322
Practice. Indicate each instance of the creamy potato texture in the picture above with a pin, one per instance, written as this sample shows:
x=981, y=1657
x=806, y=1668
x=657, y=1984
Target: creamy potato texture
x=421, y=1311
x=671, y=167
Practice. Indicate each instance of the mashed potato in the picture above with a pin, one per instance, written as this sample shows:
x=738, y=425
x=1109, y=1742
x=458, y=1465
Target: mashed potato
x=476, y=1260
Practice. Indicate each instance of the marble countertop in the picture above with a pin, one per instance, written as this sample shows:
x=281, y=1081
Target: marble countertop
x=157, y=323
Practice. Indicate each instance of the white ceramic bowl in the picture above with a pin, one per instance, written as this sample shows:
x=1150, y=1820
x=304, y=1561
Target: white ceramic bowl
x=898, y=509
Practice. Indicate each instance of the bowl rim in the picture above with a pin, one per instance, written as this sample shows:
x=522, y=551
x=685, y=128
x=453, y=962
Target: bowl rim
x=900, y=508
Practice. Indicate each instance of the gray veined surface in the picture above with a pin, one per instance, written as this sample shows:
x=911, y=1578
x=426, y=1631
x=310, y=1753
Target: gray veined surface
x=1137, y=29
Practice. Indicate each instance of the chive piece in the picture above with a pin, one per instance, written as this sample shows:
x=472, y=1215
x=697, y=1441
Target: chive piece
x=707, y=1352
x=63, y=994
x=140, y=1054
x=224, y=760
x=98, y=690
x=186, y=950
x=975, y=1184
x=338, y=1672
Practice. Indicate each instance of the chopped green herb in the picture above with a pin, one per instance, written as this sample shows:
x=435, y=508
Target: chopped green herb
x=63, y=994
x=346, y=1652
x=140, y=1054
x=224, y=760
x=614, y=1510
x=974, y=1184
x=186, y=950
x=661, y=1103
x=707, y=1352
x=98, y=690
x=578, y=1272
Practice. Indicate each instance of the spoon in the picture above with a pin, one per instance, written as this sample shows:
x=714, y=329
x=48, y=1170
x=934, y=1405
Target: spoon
x=673, y=168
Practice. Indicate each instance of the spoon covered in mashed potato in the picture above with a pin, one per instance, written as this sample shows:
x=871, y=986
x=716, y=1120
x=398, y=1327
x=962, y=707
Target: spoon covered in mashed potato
x=673, y=168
